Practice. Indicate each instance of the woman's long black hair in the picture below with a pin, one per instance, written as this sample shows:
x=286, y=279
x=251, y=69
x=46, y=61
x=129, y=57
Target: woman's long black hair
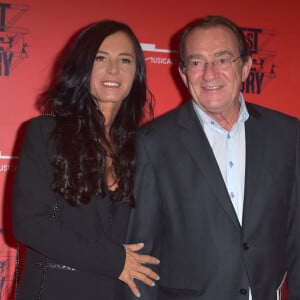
x=82, y=146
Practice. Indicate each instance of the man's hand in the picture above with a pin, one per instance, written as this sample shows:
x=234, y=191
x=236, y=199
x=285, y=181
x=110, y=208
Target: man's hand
x=135, y=268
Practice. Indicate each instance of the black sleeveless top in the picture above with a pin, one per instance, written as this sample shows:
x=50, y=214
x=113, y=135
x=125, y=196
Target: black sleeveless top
x=113, y=201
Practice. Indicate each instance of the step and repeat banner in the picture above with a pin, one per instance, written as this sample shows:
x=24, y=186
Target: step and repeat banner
x=32, y=33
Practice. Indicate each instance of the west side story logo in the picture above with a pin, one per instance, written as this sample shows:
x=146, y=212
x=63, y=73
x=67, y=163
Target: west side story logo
x=263, y=60
x=263, y=67
x=13, y=45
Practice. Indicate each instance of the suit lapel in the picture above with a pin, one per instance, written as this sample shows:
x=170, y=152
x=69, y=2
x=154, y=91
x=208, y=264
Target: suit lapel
x=193, y=138
x=255, y=150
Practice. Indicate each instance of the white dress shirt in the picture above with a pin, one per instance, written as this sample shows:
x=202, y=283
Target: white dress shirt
x=229, y=149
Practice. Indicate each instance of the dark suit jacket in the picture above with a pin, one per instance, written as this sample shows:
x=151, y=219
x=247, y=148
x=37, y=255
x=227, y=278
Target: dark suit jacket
x=185, y=217
x=78, y=237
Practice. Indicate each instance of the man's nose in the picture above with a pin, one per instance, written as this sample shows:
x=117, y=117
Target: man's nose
x=209, y=71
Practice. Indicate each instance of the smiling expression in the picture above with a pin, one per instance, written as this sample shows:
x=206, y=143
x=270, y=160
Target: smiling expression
x=215, y=90
x=113, y=70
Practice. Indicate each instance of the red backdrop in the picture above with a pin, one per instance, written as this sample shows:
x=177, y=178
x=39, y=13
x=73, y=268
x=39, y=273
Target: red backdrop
x=32, y=32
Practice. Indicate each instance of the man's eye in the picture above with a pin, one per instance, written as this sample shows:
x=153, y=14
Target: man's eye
x=196, y=63
x=223, y=61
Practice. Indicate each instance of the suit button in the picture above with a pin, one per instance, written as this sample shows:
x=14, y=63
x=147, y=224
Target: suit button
x=243, y=291
x=246, y=246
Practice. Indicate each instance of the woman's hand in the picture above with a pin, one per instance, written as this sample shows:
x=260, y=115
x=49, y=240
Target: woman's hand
x=135, y=268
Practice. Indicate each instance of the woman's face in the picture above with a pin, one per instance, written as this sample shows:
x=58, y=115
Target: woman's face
x=114, y=70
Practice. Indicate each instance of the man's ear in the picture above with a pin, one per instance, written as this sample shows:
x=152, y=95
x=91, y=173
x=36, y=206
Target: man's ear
x=182, y=72
x=246, y=68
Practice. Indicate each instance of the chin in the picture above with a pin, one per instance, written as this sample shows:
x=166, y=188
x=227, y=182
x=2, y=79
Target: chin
x=111, y=100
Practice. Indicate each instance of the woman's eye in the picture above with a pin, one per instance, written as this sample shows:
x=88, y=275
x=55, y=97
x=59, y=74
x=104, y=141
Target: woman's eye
x=125, y=61
x=100, y=58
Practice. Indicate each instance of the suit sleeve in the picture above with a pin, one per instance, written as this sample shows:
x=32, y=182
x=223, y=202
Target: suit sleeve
x=33, y=221
x=145, y=223
x=294, y=230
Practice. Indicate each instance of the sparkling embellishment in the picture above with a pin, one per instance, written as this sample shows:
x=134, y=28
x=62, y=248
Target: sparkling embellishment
x=60, y=267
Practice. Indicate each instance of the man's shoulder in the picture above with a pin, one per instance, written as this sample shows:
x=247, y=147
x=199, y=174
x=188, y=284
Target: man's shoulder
x=269, y=114
x=165, y=121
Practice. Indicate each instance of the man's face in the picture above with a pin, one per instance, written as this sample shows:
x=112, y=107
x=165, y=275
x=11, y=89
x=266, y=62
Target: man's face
x=212, y=78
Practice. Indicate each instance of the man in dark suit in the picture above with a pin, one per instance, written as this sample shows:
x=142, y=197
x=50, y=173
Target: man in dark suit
x=218, y=181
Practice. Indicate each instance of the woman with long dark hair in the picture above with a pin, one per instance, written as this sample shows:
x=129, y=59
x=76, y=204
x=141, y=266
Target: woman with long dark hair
x=73, y=190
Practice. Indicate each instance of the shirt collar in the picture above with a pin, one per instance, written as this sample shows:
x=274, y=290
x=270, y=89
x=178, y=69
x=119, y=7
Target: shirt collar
x=206, y=119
